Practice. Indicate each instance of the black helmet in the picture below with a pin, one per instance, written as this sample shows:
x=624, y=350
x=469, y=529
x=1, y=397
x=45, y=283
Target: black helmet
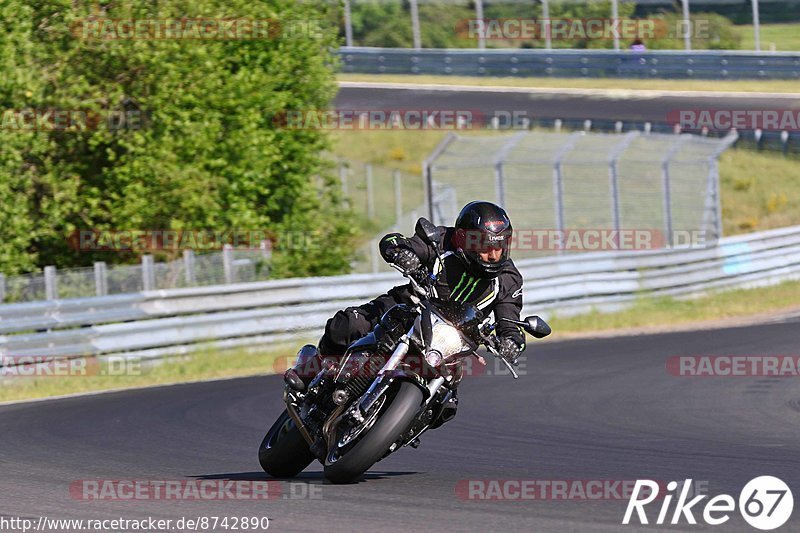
x=482, y=226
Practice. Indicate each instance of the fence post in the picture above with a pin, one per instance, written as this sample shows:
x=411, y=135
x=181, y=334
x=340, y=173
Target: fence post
x=227, y=262
x=373, y=255
x=687, y=26
x=100, y=278
x=481, y=24
x=415, y=31
x=2, y=287
x=348, y=24
x=398, y=199
x=188, y=267
x=667, y=201
x=548, y=43
x=343, y=179
x=50, y=283
x=148, y=273
x=370, y=192
x=499, y=186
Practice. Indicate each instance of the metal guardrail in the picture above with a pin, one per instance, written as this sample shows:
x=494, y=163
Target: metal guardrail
x=592, y=63
x=174, y=321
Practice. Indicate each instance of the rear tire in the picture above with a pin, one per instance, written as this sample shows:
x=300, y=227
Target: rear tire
x=284, y=452
x=398, y=414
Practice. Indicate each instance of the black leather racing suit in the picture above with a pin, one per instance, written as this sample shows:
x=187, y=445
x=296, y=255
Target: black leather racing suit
x=501, y=295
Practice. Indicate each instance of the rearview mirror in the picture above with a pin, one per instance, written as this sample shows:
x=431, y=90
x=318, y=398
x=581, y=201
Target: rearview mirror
x=533, y=325
x=427, y=231
x=536, y=326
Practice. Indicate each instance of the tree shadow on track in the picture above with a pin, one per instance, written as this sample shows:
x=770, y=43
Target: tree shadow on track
x=309, y=477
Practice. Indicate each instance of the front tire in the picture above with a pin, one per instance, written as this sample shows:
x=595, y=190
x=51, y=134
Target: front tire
x=284, y=452
x=391, y=423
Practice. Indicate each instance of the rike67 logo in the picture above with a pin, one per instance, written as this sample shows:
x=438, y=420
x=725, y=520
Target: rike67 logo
x=765, y=503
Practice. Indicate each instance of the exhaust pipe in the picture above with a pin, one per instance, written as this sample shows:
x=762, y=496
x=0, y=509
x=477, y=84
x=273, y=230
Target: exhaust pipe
x=295, y=416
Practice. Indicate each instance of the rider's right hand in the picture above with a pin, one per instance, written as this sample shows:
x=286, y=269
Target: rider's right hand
x=404, y=259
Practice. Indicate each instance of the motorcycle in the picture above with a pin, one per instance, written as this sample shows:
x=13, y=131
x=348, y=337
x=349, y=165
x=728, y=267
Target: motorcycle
x=388, y=388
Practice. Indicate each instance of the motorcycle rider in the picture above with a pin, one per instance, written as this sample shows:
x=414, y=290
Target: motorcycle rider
x=475, y=268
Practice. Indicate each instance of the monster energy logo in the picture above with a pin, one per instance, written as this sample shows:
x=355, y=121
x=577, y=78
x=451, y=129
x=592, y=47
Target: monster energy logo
x=466, y=290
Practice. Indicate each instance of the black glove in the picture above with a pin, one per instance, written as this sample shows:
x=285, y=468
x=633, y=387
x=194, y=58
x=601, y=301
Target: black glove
x=509, y=350
x=405, y=259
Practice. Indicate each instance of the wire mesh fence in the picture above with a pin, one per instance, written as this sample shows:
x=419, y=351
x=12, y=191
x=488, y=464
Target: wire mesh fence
x=659, y=186
x=227, y=266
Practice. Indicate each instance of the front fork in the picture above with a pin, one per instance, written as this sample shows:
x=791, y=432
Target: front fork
x=389, y=373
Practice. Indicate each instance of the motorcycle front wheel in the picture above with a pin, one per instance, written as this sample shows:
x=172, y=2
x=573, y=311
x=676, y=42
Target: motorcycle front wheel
x=350, y=456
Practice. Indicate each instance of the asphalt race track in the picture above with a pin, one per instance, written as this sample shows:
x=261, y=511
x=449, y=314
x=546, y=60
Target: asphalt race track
x=603, y=409
x=635, y=106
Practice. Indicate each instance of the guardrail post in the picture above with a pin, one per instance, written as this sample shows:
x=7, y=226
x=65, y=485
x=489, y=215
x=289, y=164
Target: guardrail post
x=2, y=287
x=188, y=267
x=398, y=199
x=227, y=262
x=370, y=192
x=50, y=283
x=100, y=278
x=148, y=273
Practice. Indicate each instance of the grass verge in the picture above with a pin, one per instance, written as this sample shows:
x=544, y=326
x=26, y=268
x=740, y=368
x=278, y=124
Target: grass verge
x=755, y=86
x=203, y=365
x=783, y=37
x=664, y=311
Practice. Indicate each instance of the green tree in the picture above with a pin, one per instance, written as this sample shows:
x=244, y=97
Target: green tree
x=207, y=153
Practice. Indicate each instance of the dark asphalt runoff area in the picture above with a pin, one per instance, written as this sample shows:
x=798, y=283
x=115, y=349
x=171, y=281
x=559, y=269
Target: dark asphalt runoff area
x=599, y=105
x=589, y=409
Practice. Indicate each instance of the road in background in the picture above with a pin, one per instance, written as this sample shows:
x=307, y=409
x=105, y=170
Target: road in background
x=602, y=409
x=583, y=104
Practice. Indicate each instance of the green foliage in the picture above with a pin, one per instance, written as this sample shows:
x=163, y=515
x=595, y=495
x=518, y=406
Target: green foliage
x=711, y=32
x=207, y=154
x=388, y=24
